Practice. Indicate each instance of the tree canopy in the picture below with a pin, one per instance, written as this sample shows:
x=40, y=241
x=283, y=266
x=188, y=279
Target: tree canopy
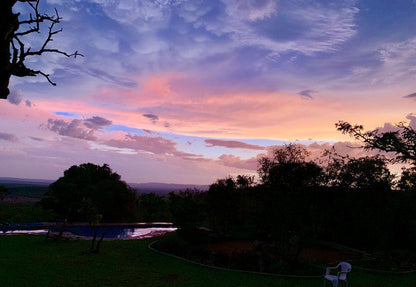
x=288, y=168
x=401, y=142
x=88, y=192
x=4, y=191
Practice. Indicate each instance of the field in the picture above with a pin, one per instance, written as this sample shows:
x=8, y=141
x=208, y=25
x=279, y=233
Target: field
x=31, y=261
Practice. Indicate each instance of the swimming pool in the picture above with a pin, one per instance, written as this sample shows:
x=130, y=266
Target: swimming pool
x=112, y=231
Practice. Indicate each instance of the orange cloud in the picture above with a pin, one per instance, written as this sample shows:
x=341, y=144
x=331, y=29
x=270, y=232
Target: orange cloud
x=185, y=108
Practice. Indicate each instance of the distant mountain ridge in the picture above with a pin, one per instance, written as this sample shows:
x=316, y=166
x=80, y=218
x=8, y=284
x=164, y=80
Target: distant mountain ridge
x=15, y=180
x=24, y=186
x=165, y=188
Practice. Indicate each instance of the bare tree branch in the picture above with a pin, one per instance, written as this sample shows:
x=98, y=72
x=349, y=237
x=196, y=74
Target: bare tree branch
x=13, y=52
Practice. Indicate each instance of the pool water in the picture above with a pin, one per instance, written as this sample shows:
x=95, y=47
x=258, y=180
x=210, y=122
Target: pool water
x=84, y=231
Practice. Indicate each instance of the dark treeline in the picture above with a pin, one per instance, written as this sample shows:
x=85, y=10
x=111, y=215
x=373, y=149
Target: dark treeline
x=355, y=202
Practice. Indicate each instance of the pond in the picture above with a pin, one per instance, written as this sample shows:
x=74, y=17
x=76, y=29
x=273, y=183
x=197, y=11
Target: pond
x=112, y=231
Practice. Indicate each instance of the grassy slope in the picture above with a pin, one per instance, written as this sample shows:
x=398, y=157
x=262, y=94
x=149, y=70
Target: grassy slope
x=24, y=212
x=30, y=261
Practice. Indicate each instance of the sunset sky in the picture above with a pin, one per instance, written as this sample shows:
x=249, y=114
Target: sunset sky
x=189, y=91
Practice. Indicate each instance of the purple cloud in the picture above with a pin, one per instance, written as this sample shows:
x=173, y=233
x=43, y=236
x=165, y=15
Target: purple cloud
x=15, y=97
x=307, y=94
x=74, y=128
x=8, y=137
x=236, y=161
x=152, y=117
x=97, y=123
x=36, y=139
x=411, y=96
x=154, y=145
x=232, y=144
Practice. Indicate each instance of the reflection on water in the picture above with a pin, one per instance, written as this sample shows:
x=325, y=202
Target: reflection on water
x=111, y=231
x=19, y=231
x=144, y=232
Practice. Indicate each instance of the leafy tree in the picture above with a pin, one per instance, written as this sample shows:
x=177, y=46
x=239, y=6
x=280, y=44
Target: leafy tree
x=152, y=207
x=188, y=211
x=223, y=201
x=13, y=52
x=401, y=142
x=407, y=181
x=4, y=191
x=287, y=168
x=362, y=173
x=99, y=186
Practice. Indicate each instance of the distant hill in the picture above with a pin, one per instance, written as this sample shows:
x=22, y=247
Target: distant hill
x=165, y=188
x=27, y=189
x=24, y=181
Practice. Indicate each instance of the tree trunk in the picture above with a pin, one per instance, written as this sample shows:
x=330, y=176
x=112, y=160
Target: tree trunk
x=61, y=231
x=9, y=24
x=94, y=238
x=97, y=249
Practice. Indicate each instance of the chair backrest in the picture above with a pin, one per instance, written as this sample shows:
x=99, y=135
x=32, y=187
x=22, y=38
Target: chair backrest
x=345, y=267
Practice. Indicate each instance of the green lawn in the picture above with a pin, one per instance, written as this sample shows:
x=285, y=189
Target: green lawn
x=24, y=212
x=30, y=261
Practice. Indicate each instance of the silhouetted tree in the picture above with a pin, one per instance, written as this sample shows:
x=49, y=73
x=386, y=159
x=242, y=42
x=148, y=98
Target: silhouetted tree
x=288, y=168
x=362, y=173
x=13, y=52
x=102, y=188
x=188, y=211
x=402, y=141
x=4, y=191
x=152, y=207
x=407, y=181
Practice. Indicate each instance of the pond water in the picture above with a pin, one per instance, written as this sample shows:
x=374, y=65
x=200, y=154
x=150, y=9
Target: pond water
x=113, y=231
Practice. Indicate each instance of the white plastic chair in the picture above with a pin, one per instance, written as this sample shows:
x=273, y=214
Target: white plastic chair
x=344, y=268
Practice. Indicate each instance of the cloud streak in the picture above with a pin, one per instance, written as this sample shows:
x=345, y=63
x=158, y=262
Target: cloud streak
x=307, y=94
x=410, y=96
x=148, y=144
x=232, y=144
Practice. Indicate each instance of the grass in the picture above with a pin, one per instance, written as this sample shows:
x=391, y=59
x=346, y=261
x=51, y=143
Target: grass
x=24, y=212
x=30, y=261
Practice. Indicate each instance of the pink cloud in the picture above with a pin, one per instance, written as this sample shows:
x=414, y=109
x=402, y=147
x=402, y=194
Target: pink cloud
x=237, y=162
x=232, y=144
x=82, y=129
x=154, y=145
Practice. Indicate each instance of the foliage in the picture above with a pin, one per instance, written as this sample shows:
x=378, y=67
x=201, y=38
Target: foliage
x=24, y=212
x=407, y=181
x=350, y=201
x=4, y=191
x=288, y=168
x=360, y=173
x=153, y=207
x=401, y=141
x=224, y=204
x=187, y=209
x=89, y=190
